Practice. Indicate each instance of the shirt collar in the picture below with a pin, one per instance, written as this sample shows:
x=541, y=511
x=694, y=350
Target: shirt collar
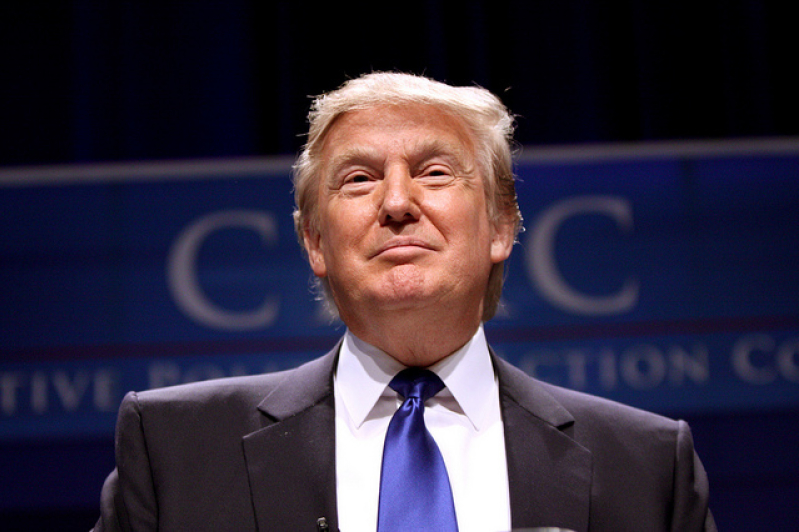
x=364, y=371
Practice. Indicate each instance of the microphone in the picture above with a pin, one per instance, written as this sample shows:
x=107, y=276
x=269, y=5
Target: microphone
x=321, y=525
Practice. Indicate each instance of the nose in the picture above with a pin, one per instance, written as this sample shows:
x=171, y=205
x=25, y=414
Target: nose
x=399, y=201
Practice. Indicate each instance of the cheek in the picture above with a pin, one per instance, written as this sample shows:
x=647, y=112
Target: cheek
x=344, y=228
x=468, y=218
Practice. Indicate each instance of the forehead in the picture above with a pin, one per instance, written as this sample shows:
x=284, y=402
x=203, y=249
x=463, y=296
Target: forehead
x=406, y=127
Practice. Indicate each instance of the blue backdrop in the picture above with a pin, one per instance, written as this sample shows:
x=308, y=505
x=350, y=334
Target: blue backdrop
x=662, y=277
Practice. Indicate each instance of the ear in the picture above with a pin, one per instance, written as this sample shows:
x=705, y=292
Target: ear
x=502, y=237
x=314, y=247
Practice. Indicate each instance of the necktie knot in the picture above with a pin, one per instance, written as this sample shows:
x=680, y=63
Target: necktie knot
x=417, y=383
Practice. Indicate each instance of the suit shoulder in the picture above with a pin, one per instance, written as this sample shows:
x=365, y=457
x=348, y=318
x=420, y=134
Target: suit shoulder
x=644, y=444
x=226, y=394
x=213, y=390
x=589, y=414
x=586, y=407
x=217, y=409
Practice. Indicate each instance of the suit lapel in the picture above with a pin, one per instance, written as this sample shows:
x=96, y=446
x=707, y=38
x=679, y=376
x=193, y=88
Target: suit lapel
x=291, y=461
x=549, y=474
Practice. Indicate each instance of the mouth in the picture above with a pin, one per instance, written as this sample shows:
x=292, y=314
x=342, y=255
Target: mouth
x=403, y=245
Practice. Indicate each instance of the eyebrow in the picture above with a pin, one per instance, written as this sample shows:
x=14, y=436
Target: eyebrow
x=429, y=148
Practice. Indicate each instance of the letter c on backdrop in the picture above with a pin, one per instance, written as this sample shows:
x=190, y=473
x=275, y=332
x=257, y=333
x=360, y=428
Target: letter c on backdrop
x=543, y=268
x=182, y=271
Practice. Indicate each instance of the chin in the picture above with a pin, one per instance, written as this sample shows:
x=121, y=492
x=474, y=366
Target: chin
x=405, y=283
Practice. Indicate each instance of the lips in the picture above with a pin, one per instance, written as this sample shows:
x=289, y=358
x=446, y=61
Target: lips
x=403, y=242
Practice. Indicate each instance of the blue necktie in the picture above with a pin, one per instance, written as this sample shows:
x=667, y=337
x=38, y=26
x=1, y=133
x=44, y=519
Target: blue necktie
x=414, y=486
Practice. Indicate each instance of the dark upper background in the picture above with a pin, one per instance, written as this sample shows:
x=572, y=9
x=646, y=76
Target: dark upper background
x=120, y=81
x=91, y=81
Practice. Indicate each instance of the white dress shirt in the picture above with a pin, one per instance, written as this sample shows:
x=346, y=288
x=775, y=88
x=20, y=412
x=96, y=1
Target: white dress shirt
x=464, y=419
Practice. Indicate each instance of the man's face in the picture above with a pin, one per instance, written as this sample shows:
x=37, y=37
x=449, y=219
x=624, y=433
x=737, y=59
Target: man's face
x=403, y=222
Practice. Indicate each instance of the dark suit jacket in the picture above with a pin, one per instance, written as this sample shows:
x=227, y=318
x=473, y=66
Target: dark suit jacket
x=257, y=453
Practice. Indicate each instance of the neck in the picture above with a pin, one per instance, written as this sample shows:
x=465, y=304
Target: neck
x=415, y=338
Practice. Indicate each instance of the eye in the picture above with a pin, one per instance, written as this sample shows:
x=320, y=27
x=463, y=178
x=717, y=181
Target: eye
x=437, y=175
x=356, y=182
x=358, y=178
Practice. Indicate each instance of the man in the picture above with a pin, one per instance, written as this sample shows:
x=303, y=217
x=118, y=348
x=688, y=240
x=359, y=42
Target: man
x=406, y=208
